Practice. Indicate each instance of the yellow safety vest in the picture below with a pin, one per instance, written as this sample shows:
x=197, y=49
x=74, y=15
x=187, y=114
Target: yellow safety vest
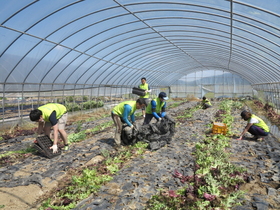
x=145, y=87
x=159, y=106
x=261, y=123
x=119, y=109
x=49, y=108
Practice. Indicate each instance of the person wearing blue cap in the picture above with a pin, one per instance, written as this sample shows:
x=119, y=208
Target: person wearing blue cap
x=156, y=108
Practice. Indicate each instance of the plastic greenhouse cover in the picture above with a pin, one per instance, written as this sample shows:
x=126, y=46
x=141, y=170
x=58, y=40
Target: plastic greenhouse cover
x=51, y=44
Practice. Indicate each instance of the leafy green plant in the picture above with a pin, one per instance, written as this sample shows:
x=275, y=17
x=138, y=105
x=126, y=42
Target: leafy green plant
x=29, y=149
x=90, y=179
x=105, y=153
x=79, y=126
x=141, y=146
x=189, y=112
x=114, y=168
x=100, y=127
x=76, y=137
x=81, y=187
x=173, y=105
x=214, y=184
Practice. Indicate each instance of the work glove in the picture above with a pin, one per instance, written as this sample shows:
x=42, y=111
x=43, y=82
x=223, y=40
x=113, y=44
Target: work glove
x=54, y=148
x=159, y=119
x=133, y=127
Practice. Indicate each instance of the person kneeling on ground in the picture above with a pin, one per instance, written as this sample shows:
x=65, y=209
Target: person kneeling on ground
x=51, y=115
x=156, y=108
x=256, y=126
x=205, y=103
x=120, y=115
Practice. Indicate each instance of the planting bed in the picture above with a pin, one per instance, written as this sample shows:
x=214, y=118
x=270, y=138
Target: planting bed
x=29, y=178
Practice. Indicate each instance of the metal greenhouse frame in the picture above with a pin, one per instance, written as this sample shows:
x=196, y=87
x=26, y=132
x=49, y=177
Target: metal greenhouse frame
x=52, y=50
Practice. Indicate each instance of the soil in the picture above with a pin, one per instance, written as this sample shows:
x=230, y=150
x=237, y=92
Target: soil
x=24, y=183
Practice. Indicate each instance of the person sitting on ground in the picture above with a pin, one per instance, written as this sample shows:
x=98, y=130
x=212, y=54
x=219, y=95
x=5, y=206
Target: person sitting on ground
x=205, y=103
x=145, y=86
x=256, y=126
x=51, y=115
x=120, y=115
x=156, y=108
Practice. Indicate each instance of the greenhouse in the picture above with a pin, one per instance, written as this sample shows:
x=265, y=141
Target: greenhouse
x=87, y=50
x=89, y=55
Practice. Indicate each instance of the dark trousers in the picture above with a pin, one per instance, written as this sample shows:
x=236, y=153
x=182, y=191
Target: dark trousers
x=206, y=106
x=257, y=131
x=148, y=118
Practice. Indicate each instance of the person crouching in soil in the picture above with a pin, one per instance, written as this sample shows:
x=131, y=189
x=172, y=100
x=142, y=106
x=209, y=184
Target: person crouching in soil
x=120, y=114
x=256, y=126
x=205, y=104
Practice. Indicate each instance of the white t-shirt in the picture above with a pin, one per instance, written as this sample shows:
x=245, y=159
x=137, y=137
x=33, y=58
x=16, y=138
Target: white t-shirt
x=254, y=121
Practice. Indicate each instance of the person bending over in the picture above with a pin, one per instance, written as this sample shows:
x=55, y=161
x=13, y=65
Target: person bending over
x=156, y=108
x=120, y=114
x=51, y=115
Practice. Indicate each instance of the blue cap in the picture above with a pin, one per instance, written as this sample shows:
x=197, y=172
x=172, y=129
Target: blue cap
x=163, y=95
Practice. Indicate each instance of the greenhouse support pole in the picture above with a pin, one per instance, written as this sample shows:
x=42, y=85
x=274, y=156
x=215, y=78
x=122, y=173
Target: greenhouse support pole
x=3, y=103
x=22, y=102
x=18, y=107
x=111, y=95
x=3, y=109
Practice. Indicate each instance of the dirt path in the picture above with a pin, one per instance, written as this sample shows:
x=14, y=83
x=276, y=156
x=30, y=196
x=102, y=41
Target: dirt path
x=22, y=183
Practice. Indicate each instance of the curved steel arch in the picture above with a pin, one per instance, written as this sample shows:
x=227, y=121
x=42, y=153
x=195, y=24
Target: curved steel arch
x=241, y=49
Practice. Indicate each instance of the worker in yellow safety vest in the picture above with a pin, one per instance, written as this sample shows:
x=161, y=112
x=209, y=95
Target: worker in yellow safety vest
x=51, y=115
x=205, y=103
x=120, y=114
x=256, y=126
x=156, y=108
x=145, y=86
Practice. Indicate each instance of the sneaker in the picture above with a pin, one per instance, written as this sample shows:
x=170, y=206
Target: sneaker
x=255, y=137
x=66, y=148
x=260, y=139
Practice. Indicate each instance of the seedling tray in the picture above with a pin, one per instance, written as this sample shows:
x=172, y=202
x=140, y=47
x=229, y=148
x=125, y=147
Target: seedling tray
x=138, y=91
x=43, y=144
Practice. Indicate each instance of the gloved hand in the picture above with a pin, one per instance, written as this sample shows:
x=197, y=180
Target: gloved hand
x=159, y=119
x=54, y=148
x=133, y=127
